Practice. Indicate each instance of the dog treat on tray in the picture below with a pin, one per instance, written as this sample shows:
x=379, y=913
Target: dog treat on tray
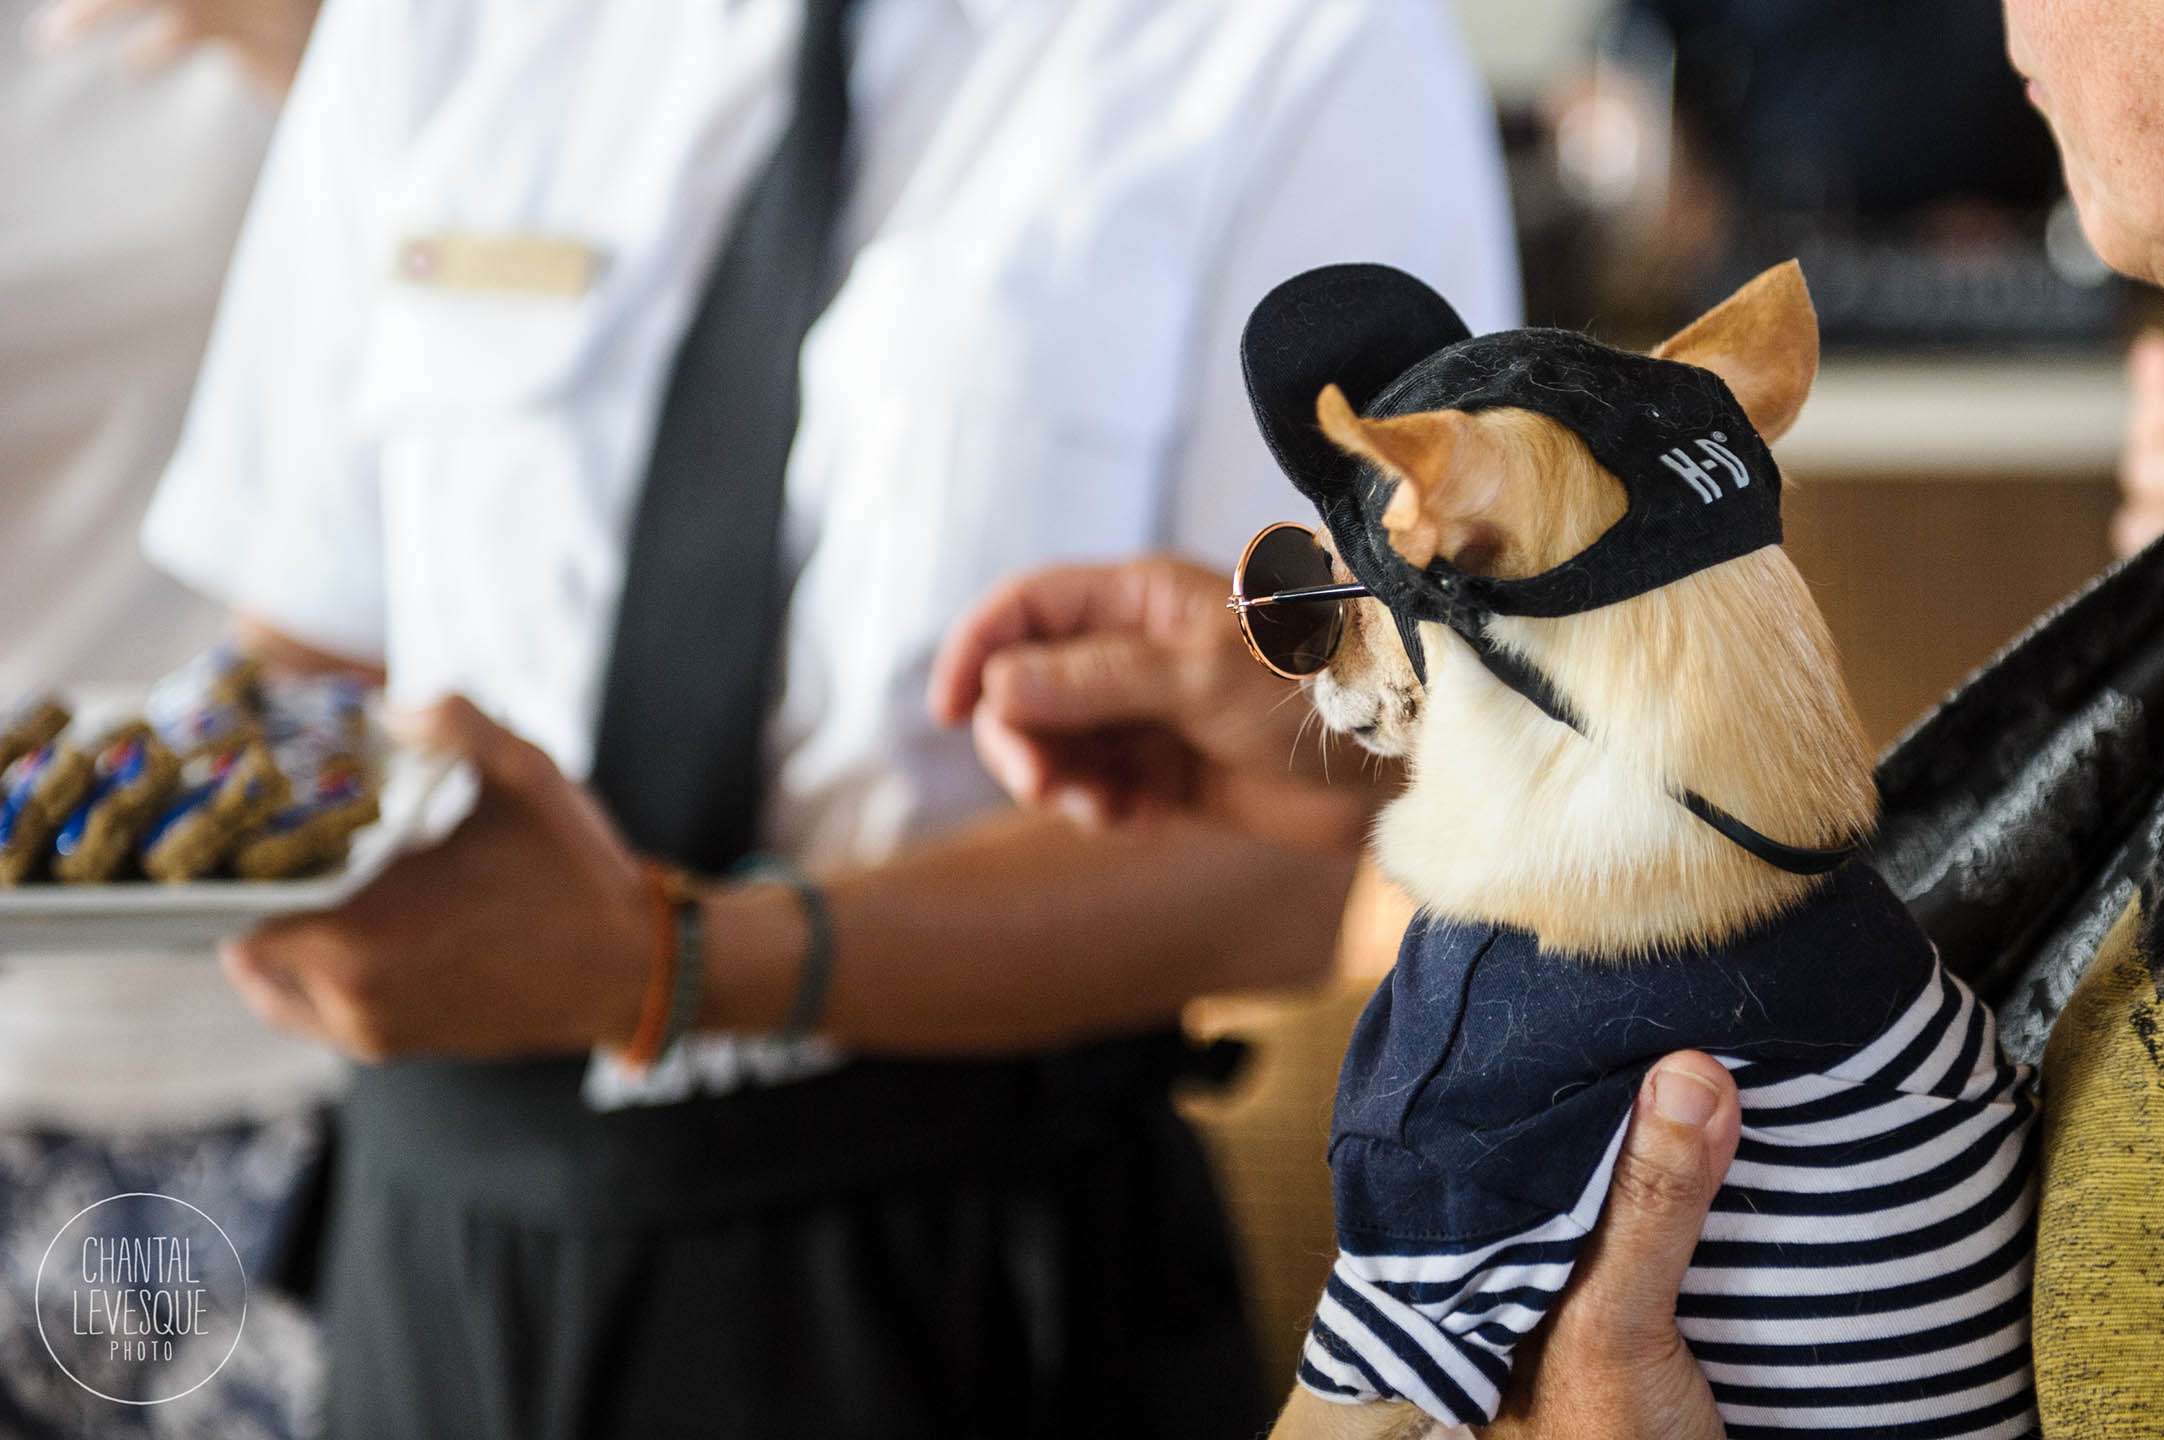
x=312, y=833
x=221, y=675
x=211, y=703
x=231, y=770
x=209, y=730
x=26, y=726
x=222, y=796
x=130, y=779
x=323, y=714
x=37, y=795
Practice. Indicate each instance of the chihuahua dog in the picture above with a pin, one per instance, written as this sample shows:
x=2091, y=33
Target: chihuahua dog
x=1635, y=777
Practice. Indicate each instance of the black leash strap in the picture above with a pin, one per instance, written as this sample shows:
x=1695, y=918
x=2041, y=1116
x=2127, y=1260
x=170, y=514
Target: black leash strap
x=1517, y=675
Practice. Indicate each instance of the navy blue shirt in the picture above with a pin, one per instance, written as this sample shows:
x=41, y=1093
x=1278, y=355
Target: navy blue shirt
x=1485, y=1095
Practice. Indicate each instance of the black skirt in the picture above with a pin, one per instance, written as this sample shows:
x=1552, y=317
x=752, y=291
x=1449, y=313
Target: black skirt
x=1013, y=1250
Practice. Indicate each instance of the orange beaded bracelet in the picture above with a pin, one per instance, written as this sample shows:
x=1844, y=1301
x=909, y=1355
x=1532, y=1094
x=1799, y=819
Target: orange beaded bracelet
x=646, y=1041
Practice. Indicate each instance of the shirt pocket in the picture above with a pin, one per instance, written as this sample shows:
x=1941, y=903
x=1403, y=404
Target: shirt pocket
x=966, y=417
x=496, y=433
x=434, y=353
x=998, y=411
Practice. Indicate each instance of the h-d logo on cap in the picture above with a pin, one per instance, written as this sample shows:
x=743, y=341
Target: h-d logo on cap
x=1702, y=480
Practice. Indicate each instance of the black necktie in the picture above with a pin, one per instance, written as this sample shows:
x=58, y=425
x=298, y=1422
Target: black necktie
x=677, y=755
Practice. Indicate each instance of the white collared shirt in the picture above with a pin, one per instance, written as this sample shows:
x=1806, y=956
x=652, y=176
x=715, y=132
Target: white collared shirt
x=1063, y=211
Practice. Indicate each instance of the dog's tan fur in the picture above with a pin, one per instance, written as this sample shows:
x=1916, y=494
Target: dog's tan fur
x=1725, y=682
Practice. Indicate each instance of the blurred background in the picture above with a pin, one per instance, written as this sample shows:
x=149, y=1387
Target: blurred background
x=1954, y=474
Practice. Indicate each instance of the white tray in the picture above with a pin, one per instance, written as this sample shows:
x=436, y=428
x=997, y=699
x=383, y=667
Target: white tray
x=425, y=795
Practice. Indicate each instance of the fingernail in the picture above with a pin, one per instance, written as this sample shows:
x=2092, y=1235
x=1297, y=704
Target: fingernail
x=1011, y=774
x=1081, y=809
x=1026, y=678
x=1683, y=1097
x=1004, y=759
x=409, y=725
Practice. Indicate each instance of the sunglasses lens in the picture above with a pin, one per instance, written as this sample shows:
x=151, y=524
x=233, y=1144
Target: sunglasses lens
x=1291, y=639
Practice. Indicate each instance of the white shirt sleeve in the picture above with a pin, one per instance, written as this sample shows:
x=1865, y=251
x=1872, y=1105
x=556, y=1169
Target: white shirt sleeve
x=270, y=502
x=1388, y=155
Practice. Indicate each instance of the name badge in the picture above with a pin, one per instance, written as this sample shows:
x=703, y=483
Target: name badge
x=517, y=264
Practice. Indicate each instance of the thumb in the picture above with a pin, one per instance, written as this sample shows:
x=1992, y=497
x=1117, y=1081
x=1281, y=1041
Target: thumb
x=1682, y=1136
x=459, y=727
x=2145, y=360
x=2145, y=372
x=1082, y=684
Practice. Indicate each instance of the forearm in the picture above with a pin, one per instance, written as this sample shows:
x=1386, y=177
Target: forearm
x=1024, y=933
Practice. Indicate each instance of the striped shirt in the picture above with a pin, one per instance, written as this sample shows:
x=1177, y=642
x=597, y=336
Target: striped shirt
x=1865, y=1268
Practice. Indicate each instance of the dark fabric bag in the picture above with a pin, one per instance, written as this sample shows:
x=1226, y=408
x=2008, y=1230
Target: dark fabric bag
x=2027, y=809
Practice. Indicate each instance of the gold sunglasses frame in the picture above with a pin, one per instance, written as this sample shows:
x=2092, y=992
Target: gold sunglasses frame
x=1243, y=605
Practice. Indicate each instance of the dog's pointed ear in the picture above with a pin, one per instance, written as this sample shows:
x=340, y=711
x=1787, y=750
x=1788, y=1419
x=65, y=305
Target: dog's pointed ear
x=1762, y=340
x=1448, y=477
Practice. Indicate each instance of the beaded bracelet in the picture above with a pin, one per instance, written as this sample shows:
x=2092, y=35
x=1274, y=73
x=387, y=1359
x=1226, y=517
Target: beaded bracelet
x=674, y=985
x=646, y=1041
x=690, y=978
x=816, y=977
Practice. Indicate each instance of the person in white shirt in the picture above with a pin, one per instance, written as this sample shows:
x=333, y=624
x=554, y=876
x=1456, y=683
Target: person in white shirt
x=947, y=1195
x=121, y=192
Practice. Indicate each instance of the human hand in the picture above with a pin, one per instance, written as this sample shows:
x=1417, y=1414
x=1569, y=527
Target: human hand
x=268, y=35
x=1609, y=1363
x=2140, y=518
x=1115, y=692
x=529, y=930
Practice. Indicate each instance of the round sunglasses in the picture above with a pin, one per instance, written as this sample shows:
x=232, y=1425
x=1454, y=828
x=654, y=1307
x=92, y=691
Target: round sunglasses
x=1292, y=612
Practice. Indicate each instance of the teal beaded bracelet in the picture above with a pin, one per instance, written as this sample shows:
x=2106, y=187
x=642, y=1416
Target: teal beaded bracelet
x=688, y=985
x=816, y=976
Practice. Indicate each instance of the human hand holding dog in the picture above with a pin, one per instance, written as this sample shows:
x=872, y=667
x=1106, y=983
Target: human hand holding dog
x=1115, y=692
x=1610, y=1363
